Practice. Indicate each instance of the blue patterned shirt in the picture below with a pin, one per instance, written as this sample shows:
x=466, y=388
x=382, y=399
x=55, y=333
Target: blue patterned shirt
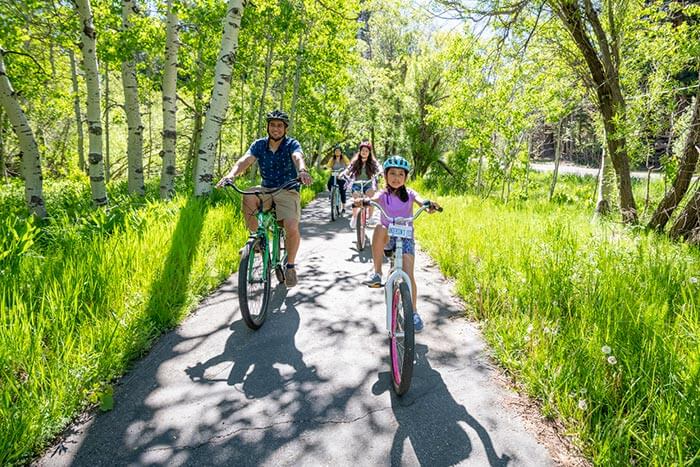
x=276, y=168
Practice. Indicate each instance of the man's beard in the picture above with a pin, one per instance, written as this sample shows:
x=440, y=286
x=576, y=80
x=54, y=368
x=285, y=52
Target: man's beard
x=273, y=138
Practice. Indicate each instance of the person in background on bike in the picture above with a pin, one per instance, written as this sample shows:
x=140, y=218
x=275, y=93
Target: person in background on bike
x=280, y=159
x=363, y=166
x=397, y=201
x=337, y=163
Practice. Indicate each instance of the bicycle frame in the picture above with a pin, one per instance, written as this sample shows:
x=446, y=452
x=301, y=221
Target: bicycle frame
x=267, y=222
x=396, y=271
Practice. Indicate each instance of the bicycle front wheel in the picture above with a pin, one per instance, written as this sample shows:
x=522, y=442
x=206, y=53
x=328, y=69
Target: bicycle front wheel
x=401, y=338
x=360, y=228
x=334, y=208
x=254, y=282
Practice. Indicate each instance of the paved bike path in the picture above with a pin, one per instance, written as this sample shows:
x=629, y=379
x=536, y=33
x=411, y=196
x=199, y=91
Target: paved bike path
x=311, y=387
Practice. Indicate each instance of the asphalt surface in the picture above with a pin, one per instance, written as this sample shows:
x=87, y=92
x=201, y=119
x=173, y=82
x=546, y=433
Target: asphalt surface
x=311, y=387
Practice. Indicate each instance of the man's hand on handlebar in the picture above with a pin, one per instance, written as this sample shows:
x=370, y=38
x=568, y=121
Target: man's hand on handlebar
x=304, y=177
x=227, y=180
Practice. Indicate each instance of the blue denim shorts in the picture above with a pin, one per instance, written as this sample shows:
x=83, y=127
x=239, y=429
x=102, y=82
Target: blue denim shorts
x=358, y=187
x=409, y=246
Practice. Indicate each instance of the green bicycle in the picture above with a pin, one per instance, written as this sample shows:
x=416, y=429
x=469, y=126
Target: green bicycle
x=264, y=251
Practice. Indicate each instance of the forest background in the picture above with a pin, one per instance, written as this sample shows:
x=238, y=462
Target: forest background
x=116, y=119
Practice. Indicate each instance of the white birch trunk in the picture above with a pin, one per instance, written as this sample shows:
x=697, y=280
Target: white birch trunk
x=606, y=186
x=134, y=151
x=297, y=77
x=76, y=109
x=3, y=170
x=31, y=162
x=172, y=44
x=219, y=99
x=92, y=79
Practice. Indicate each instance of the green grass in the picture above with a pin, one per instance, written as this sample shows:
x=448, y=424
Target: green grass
x=599, y=323
x=87, y=291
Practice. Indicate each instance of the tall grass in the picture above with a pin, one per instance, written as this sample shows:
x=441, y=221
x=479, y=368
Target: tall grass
x=86, y=292
x=600, y=324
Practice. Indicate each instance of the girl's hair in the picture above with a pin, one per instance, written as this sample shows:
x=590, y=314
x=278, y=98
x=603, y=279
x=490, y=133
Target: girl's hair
x=401, y=191
x=356, y=164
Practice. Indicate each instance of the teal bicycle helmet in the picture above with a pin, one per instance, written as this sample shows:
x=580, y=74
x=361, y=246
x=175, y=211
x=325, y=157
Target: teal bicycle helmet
x=398, y=162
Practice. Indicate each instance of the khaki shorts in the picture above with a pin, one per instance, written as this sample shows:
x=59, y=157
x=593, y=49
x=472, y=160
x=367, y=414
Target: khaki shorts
x=287, y=203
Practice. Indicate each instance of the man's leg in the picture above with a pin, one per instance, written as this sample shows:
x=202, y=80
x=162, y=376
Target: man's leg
x=289, y=212
x=251, y=203
x=293, y=239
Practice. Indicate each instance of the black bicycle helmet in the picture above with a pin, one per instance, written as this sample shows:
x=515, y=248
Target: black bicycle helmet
x=278, y=115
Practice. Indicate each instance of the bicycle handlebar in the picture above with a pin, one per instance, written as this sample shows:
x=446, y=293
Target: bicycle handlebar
x=426, y=205
x=289, y=184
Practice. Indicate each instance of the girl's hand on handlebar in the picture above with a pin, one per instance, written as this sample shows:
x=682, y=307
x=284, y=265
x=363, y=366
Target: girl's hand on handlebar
x=433, y=206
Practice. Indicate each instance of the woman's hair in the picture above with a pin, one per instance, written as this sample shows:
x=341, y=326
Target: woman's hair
x=401, y=191
x=356, y=164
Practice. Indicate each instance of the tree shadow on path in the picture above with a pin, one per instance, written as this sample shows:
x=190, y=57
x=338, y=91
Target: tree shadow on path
x=429, y=418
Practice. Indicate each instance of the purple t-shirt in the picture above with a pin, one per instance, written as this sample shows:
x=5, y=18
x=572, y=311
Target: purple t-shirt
x=394, y=207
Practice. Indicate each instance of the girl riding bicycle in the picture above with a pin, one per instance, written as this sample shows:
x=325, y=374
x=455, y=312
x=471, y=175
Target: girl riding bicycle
x=338, y=162
x=363, y=167
x=397, y=201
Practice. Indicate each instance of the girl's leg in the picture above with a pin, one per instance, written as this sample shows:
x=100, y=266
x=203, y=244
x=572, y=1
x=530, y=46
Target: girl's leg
x=379, y=241
x=341, y=186
x=369, y=194
x=408, y=261
x=355, y=195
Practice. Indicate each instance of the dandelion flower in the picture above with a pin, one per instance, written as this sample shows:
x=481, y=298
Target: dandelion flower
x=606, y=349
x=693, y=280
x=582, y=404
x=529, y=329
x=612, y=360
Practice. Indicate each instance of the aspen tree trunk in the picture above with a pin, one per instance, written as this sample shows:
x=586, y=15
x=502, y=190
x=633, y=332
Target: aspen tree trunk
x=557, y=158
x=108, y=108
x=606, y=185
x=31, y=162
x=297, y=78
x=78, y=113
x=89, y=44
x=263, y=94
x=134, y=151
x=3, y=168
x=191, y=164
x=283, y=81
x=172, y=44
x=219, y=99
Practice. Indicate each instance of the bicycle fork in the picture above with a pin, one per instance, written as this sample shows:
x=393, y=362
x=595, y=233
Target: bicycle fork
x=389, y=290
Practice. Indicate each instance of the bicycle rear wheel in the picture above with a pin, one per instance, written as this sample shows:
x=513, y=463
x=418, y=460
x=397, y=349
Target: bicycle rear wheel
x=401, y=338
x=254, y=282
x=360, y=228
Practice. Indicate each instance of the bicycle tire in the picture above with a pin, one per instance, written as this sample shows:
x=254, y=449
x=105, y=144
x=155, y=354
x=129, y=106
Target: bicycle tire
x=334, y=215
x=401, y=338
x=281, y=266
x=254, y=283
x=338, y=204
x=360, y=228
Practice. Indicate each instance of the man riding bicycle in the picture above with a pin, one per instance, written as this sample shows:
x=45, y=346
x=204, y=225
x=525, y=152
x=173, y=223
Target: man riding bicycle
x=280, y=159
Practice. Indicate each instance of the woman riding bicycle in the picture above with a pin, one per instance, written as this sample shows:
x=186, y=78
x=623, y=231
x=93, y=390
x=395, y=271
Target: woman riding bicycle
x=339, y=162
x=397, y=201
x=363, y=167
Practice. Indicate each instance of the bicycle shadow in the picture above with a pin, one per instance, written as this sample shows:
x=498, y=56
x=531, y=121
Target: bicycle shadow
x=430, y=419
